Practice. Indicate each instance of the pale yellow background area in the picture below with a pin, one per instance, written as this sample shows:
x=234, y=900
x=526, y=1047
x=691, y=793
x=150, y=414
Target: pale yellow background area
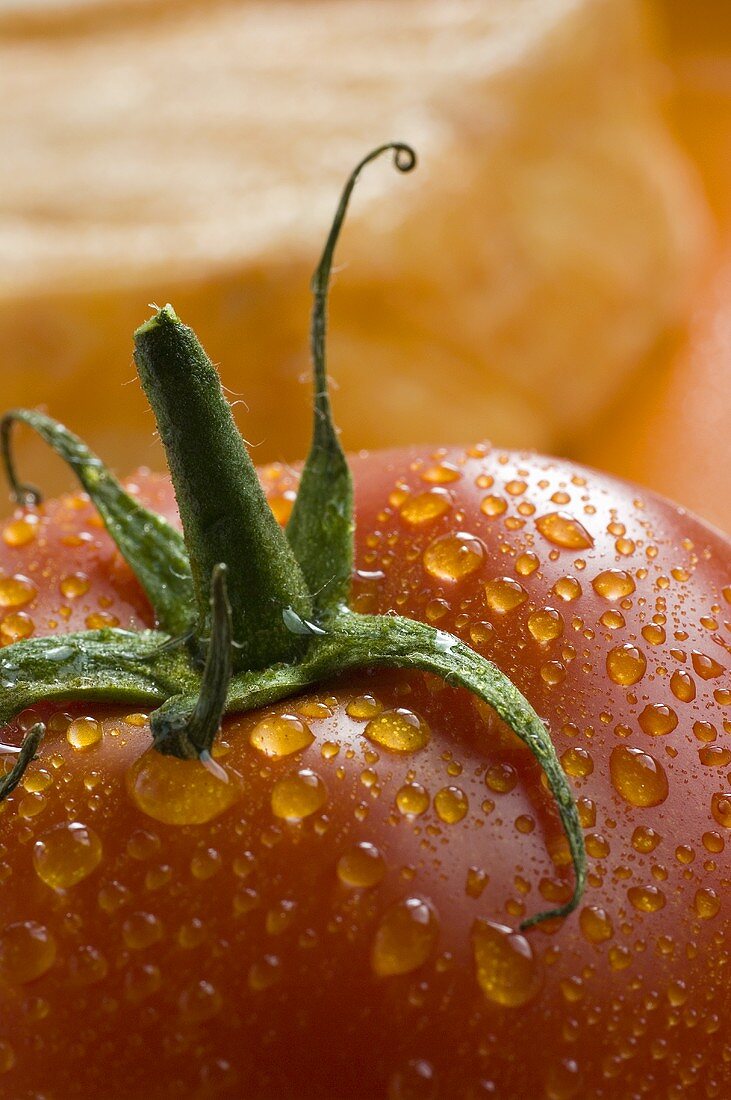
x=532, y=283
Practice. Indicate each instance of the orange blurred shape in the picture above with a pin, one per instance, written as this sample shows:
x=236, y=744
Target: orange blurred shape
x=673, y=433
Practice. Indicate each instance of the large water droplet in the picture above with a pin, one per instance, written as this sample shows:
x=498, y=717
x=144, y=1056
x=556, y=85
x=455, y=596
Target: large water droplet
x=281, y=734
x=398, y=731
x=637, y=776
x=452, y=557
x=506, y=968
x=179, y=792
x=297, y=796
x=27, y=950
x=66, y=854
x=561, y=529
x=405, y=938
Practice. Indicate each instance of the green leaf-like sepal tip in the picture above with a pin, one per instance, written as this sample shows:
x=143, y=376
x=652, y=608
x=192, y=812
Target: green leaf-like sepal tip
x=248, y=615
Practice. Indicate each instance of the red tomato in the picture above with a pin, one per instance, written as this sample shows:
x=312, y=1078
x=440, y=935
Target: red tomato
x=343, y=924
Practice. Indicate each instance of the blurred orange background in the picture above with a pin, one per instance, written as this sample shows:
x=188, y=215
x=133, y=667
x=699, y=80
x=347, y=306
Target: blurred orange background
x=555, y=276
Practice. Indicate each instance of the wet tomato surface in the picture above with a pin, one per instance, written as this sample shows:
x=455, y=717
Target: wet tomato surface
x=340, y=917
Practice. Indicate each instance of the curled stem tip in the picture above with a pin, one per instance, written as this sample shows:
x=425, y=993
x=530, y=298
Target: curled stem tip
x=27, y=752
x=185, y=726
x=21, y=492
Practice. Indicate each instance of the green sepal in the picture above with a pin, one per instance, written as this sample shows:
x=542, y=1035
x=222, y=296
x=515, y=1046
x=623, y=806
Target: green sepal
x=186, y=726
x=321, y=527
x=362, y=641
x=101, y=665
x=153, y=549
x=225, y=514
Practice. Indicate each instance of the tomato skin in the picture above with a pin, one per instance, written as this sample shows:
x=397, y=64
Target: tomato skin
x=206, y=971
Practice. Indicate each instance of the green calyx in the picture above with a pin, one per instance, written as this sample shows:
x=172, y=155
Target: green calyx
x=246, y=613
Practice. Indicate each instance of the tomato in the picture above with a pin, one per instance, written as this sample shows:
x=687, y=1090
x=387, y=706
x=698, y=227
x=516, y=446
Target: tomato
x=236, y=957
x=320, y=867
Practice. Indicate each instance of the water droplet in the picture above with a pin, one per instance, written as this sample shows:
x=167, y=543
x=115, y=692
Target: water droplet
x=179, y=792
x=706, y=667
x=503, y=594
x=645, y=839
x=682, y=686
x=412, y=799
x=646, y=899
x=74, y=585
x=66, y=855
x=16, y=626
x=657, y=720
x=493, y=506
x=16, y=591
x=363, y=707
x=27, y=950
x=527, y=563
x=453, y=557
x=426, y=507
x=561, y=529
x=264, y=974
x=706, y=903
x=84, y=733
x=714, y=756
x=361, y=866
x=441, y=474
x=506, y=968
x=595, y=924
x=142, y=981
x=201, y=1001
x=398, y=731
x=721, y=808
x=142, y=930
x=451, y=804
x=501, y=778
x=297, y=796
x=626, y=664
x=405, y=937
x=577, y=762
x=415, y=1081
x=21, y=531
x=101, y=620
x=637, y=776
x=205, y=863
x=281, y=734
x=613, y=584
x=567, y=589
x=563, y=1080
x=545, y=625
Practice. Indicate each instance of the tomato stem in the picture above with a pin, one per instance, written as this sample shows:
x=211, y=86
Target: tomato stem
x=225, y=515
